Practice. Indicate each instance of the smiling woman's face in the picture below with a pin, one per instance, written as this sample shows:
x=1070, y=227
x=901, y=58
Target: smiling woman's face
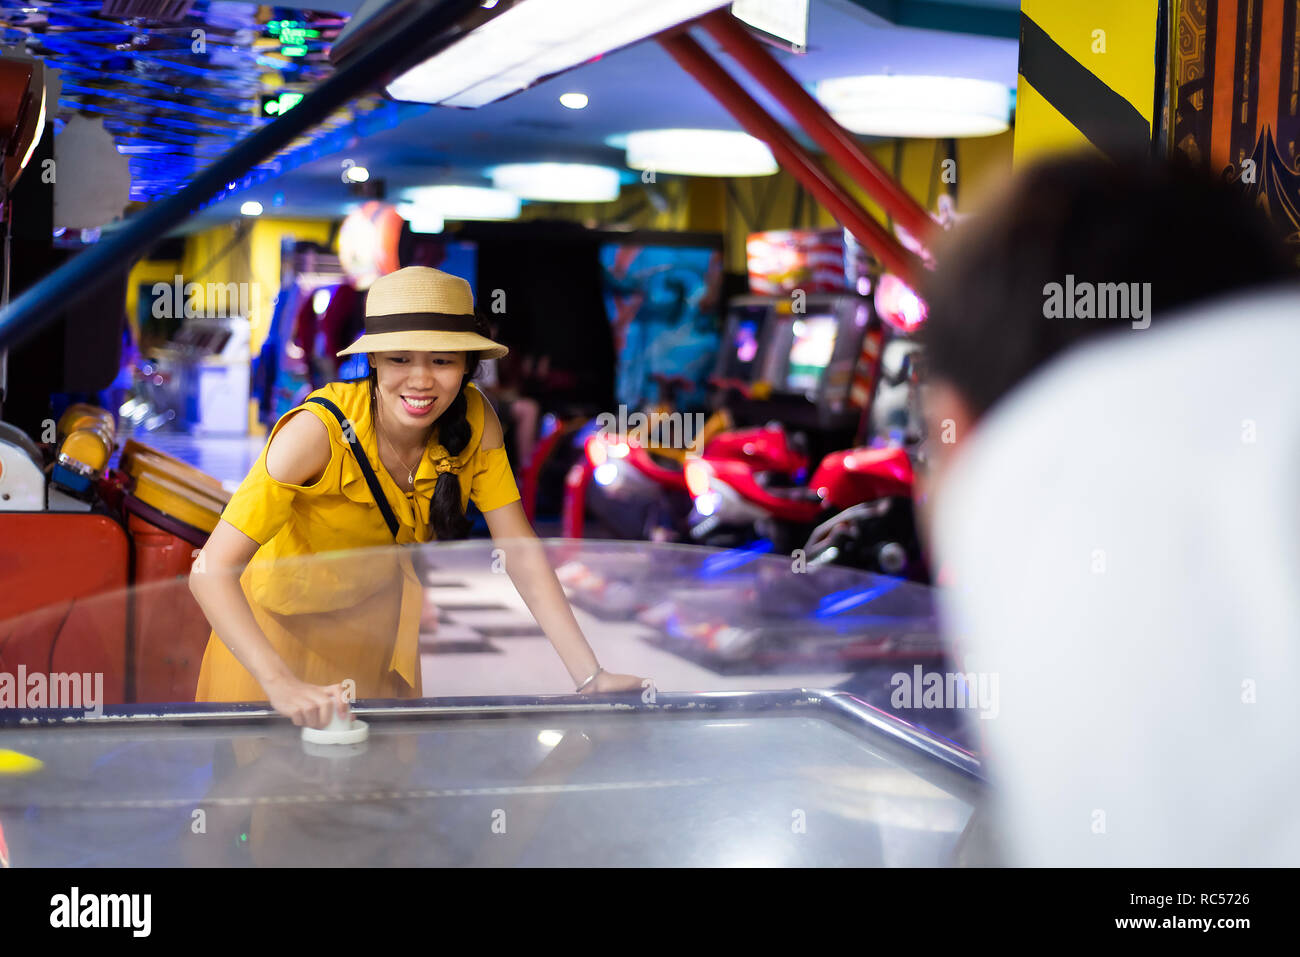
x=415, y=388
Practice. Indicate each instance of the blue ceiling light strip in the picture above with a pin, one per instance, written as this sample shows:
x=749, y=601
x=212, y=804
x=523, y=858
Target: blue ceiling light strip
x=165, y=131
x=184, y=109
x=398, y=45
x=390, y=114
x=77, y=88
x=165, y=151
x=217, y=96
x=56, y=43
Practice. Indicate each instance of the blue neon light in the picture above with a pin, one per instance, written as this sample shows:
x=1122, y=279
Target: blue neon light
x=733, y=558
x=838, y=602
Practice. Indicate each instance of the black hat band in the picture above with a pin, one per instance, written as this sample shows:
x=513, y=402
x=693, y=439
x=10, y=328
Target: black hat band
x=420, y=322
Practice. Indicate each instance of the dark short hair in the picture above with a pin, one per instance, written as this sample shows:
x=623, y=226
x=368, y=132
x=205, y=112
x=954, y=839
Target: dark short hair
x=1191, y=236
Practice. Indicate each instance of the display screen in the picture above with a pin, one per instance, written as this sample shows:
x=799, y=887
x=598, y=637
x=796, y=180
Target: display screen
x=662, y=303
x=810, y=352
x=746, y=341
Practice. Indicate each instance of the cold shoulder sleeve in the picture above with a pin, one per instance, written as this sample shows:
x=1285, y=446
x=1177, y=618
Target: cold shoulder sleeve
x=262, y=504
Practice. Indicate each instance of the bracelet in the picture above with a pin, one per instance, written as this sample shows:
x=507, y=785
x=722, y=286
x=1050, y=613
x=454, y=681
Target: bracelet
x=594, y=675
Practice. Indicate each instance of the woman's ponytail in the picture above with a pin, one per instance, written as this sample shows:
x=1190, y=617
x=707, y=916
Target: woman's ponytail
x=445, y=514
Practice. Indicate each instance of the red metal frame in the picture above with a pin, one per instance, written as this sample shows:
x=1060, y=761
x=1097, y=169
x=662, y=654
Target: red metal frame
x=815, y=177
x=530, y=477
x=838, y=142
x=574, y=516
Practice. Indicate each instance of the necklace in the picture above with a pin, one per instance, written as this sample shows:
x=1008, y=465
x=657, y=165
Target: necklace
x=410, y=470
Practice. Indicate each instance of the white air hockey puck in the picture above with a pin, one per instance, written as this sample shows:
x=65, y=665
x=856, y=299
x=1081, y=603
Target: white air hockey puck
x=334, y=752
x=339, y=731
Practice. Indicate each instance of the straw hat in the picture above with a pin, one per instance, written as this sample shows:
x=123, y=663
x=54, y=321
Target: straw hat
x=418, y=309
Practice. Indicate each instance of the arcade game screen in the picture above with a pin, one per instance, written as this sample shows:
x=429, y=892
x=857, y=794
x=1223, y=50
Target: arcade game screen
x=810, y=352
x=739, y=356
x=746, y=341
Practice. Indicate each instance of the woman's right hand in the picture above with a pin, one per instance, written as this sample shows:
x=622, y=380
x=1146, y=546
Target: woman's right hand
x=305, y=704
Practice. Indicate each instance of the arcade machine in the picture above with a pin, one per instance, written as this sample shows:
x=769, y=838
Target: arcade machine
x=74, y=526
x=744, y=329
x=198, y=380
x=632, y=484
x=804, y=364
x=853, y=478
x=808, y=338
x=820, y=373
x=792, y=379
x=809, y=373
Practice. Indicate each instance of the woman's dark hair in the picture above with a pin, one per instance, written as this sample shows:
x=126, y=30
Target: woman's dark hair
x=1188, y=234
x=446, y=516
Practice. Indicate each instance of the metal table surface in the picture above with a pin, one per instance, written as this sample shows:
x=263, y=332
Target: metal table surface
x=797, y=778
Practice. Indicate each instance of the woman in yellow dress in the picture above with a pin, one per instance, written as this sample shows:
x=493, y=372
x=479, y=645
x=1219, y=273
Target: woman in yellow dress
x=395, y=457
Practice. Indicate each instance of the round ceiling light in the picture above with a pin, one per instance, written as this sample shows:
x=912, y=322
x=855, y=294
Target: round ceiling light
x=465, y=202
x=917, y=106
x=422, y=218
x=558, y=182
x=699, y=153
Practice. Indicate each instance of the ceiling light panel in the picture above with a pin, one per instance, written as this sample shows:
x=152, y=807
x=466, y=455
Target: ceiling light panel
x=532, y=40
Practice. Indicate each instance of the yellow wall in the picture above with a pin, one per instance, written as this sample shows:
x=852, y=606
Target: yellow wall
x=146, y=271
x=253, y=257
x=265, y=242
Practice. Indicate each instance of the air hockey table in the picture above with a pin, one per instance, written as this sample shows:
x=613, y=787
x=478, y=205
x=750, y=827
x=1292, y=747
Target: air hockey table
x=748, y=778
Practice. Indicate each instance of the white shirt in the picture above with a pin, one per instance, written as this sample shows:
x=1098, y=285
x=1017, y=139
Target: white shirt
x=1123, y=538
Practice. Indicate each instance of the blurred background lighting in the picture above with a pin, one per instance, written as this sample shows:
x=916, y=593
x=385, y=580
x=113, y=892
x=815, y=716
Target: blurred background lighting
x=422, y=218
x=558, y=182
x=917, y=106
x=465, y=202
x=700, y=153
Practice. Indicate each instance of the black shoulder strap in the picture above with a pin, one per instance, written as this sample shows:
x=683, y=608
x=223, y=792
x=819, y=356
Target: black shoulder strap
x=372, y=480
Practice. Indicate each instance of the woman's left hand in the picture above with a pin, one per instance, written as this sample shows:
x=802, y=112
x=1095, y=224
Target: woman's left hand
x=606, y=682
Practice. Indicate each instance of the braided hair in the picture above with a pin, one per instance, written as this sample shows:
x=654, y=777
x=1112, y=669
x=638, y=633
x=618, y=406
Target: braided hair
x=446, y=517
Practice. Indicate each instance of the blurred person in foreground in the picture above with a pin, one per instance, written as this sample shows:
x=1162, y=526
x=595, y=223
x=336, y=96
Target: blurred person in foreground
x=1115, y=503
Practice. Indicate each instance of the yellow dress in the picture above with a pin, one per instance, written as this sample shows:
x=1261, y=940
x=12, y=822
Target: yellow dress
x=327, y=588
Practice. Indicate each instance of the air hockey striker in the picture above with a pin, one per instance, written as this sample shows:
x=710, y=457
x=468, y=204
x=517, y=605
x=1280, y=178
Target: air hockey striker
x=783, y=775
